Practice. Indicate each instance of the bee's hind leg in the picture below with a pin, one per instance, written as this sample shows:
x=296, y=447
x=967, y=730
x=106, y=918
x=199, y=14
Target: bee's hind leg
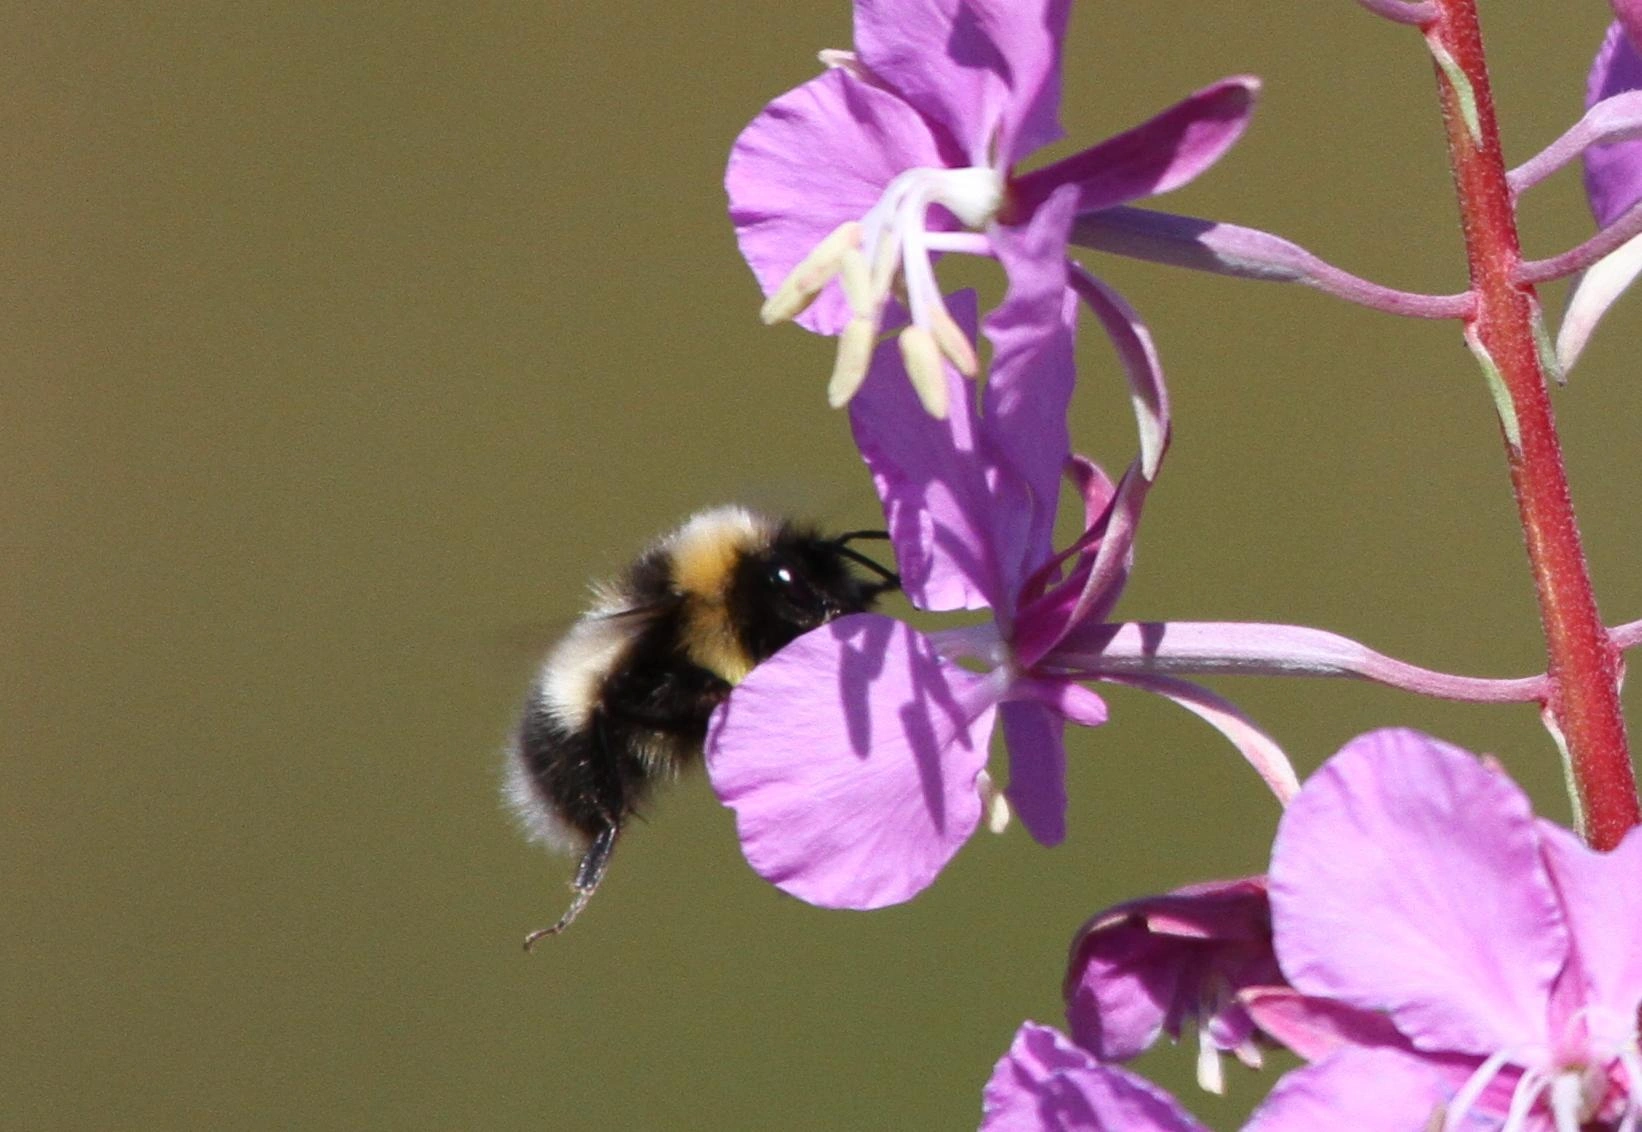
x=588, y=875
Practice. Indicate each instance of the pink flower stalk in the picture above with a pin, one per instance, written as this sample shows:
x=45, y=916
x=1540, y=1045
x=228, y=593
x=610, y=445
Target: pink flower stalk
x=908, y=148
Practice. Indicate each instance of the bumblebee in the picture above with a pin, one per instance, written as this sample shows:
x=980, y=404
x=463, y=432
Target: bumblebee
x=622, y=702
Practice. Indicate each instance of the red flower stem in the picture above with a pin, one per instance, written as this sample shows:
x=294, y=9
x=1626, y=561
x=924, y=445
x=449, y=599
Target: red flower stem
x=1583, y=664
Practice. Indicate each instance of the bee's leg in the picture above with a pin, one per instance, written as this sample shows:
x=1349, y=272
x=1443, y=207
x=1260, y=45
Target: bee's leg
x=588, y=875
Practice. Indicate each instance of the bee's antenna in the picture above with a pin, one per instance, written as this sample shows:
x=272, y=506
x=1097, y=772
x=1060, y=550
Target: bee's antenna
x=892, y=580
x=588, y=875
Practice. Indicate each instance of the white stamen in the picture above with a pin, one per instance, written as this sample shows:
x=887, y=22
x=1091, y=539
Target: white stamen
x=1461, y=1105
x=1567, y=1100
x=1211, y=1074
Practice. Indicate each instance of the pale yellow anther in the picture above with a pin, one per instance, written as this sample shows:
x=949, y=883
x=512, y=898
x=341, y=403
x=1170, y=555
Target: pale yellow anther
x=954, y=343
x=804, y=282
x=856, y=279
x=994, y=806
x=849, y=369
x=922, y=359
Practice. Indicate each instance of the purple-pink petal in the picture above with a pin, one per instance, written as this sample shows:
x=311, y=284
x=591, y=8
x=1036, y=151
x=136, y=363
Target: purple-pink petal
x=1029, y=388
x=1629, y=13
x=987, y=70
x=1601, y=897
x=1160, y=154
x=1365, y=1091
x=929, y=474
x=1047, y=1084
x=850, y=759
x=1406, y=877
x=1613, y=172
x=1037, y=768
x=818, y=156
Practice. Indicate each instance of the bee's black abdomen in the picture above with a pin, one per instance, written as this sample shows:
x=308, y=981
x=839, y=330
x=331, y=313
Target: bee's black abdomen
x=649, y=718
x=582, y=781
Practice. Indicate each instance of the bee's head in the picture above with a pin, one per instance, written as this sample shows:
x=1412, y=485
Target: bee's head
x=799, y=581
x=751, y=585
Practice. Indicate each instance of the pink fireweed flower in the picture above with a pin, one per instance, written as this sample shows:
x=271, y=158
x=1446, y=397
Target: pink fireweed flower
x=1148, y=967
x=1409, y=878
x=855, y=757
x=907, y=148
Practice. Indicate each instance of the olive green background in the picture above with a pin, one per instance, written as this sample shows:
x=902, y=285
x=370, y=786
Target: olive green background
x=339, y=347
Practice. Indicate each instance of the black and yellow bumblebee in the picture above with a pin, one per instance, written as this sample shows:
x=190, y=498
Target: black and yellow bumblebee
x=622, y=702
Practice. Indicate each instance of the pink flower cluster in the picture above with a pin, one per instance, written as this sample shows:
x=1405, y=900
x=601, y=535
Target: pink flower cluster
x=1438, y=957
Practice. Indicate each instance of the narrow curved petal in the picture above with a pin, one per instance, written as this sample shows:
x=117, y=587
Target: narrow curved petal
x=987, y=70
x=1154, y=157
x=1142, y=367
x=816, y=157
x=1613, y=173
x=1406, y=877
x=1047, y=1084
x=1366, y=1091
x=1596, y=291
x=1602, y=899
x=930, y=475
x=1037, y=768
x=1033, y=333
x=1260, y=749
x=850, y=760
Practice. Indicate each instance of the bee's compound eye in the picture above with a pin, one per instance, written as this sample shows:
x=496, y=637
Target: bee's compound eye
x=781, y=575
